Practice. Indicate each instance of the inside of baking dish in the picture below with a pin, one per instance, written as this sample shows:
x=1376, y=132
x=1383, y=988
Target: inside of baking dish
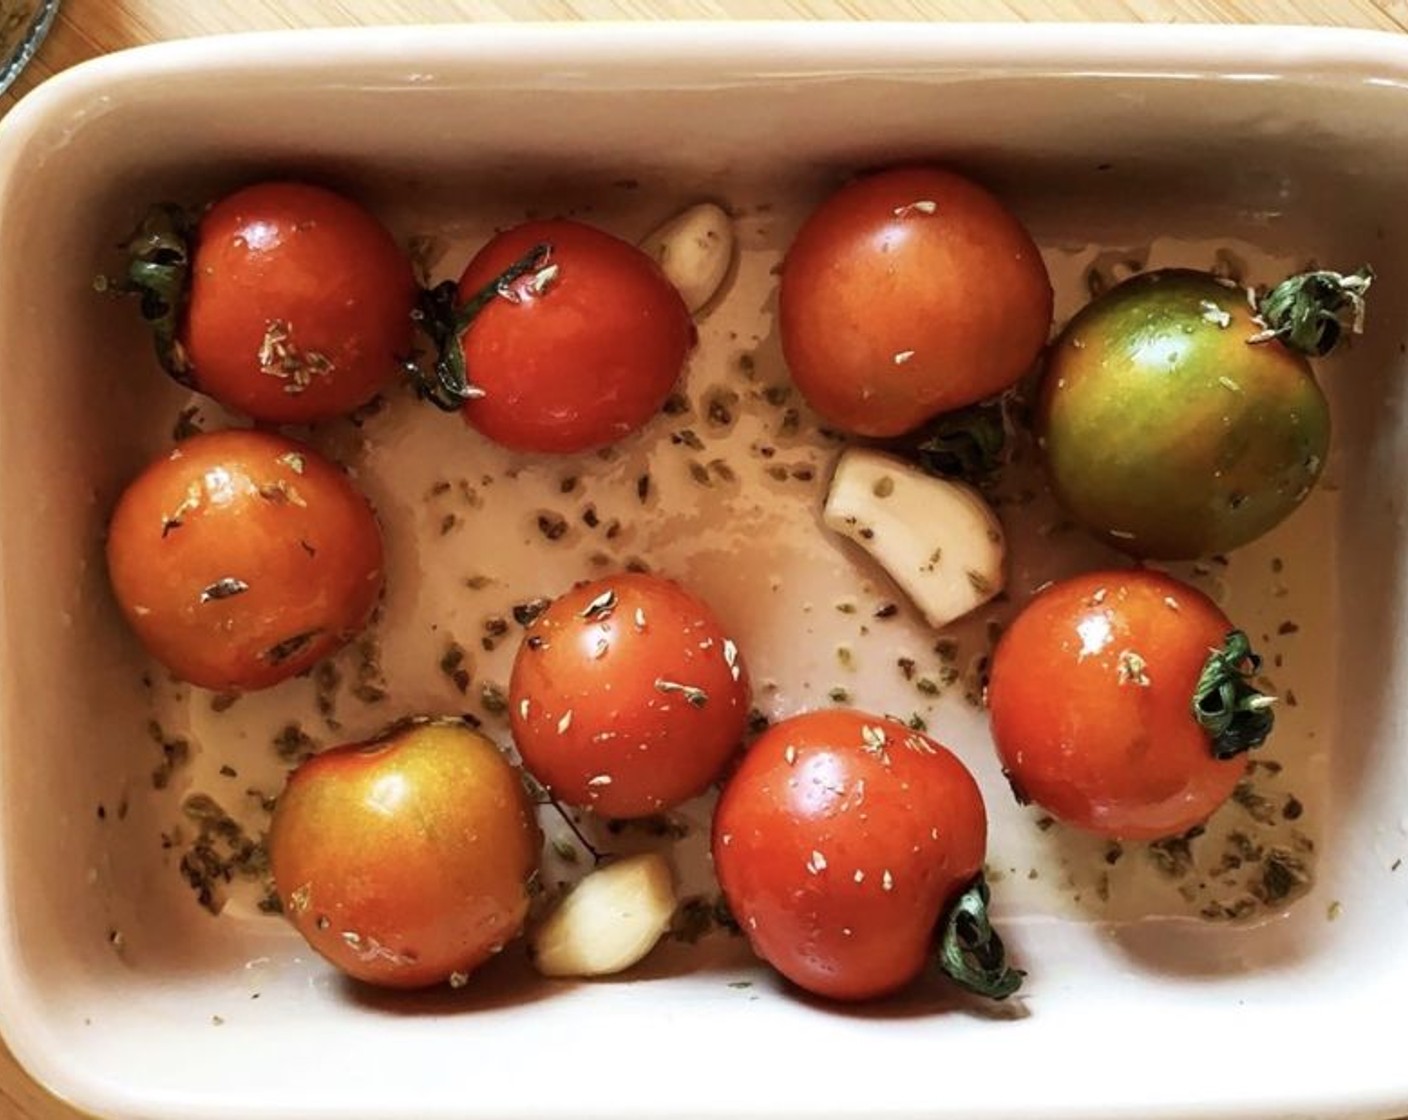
x=1106, y=168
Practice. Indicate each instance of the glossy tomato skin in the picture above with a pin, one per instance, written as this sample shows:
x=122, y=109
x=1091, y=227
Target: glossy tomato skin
x=1090, y=700
x=241, y=558
x=300, y=304
x=1165, y=431
x=574, y=358
x=408, y=859
x=840, y=842
x=627, y=696
x=908, y=293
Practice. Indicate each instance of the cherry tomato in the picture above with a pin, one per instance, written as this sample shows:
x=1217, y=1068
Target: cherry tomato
x=1169, y=435
x=627, y=696
x=406, y=861
x=909, y=293
x=842, y=843
x=581, y=350
x=241, y=558
x=299, y=305
x=1120, y=704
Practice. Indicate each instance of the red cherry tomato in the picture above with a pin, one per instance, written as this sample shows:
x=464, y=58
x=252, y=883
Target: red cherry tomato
x=406, y=861
x=241, y=558
x=1092, y=700
x=300, y=304
x=627, y=696
x=909, y=293
x=582, y=350
x=841, y=843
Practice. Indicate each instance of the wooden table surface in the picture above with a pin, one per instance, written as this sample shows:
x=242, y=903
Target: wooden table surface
x=86, y=28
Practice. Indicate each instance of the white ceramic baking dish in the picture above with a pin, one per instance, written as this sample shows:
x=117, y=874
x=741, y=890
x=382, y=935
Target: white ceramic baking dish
x=122, y=996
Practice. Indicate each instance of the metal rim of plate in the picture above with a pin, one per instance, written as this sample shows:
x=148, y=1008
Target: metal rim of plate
x=28, y=45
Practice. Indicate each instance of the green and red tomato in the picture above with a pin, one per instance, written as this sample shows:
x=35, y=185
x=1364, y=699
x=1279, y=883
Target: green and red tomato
x=1177, y=420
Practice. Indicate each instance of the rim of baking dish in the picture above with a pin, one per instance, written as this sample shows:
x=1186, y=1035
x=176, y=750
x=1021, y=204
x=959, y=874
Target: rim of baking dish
x=696, y=53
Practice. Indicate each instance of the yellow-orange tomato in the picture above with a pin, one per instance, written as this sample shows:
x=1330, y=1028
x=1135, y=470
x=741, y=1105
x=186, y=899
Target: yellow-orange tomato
x=241, y=558
x=909, y=293
x=406, y=861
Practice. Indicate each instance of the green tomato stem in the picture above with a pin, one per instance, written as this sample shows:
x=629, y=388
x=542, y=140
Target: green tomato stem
x=598, y=856
x=158, y=271
x=1310, y=312
x=539, y=795
x=970, y=950
x=1236, y=716
x=444, y=321
x=966, y=444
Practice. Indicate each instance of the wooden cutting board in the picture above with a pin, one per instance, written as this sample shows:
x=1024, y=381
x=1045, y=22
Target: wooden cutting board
x=87, y=28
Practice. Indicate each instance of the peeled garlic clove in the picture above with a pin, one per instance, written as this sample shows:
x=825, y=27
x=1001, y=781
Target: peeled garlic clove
x=609, y=921
x=695, y=249
x=938, y=539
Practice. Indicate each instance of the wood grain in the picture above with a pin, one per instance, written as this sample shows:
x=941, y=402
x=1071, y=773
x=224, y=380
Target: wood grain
x=88, y=28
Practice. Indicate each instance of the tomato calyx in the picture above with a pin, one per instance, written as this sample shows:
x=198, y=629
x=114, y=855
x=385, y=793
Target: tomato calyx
x=1310, y=312
x=1234, y=713
x=968, y=443
x=970, y=950
x=441, y=317
x=158, y=271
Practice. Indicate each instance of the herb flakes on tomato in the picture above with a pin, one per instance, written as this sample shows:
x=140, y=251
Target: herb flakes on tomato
x=558, y=338
x=1121, y=702
x=850, y=849
x=284, y=301
x=627, y=696
x=242, y=558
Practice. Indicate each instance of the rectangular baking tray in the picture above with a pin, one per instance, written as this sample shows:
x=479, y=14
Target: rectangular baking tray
x=1171, y=144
